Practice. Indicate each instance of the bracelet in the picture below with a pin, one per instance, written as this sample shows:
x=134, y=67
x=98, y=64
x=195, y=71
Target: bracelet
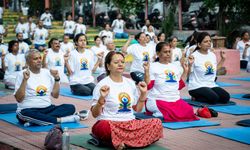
x=57, y=79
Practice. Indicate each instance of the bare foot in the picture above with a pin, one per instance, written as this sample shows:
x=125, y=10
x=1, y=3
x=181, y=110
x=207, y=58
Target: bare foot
x=121, y=146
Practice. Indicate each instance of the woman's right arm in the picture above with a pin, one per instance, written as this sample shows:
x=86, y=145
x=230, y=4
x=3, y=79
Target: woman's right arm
x=125, y=47
x=97, y=108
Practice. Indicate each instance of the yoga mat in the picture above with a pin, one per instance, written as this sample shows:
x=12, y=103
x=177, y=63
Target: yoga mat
x=81, y=140
x=67, y=92
x=239, y=134
x=239, y=96
x=242, y=79
x=8, y=108
x=11, y=118
x=180, y=125
x=199, y=104
x=234, y=109
x=189, y=124
x=225, y=84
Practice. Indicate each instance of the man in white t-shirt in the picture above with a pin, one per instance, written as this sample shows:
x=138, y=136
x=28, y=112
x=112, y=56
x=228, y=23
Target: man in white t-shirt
x=118, y=26
x=33, y=90
x=53, y=58
x=69, y=26
x=23, y=27
x=23, y=47
x=66, y=45
x=40, y=36
x=47, y=18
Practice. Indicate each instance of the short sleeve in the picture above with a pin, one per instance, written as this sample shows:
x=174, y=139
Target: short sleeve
x=92, y=57
x=131, y=49
x=72, y=59
x=19, y=79
x=136, y=93
x=96, y=94
x=6, y=59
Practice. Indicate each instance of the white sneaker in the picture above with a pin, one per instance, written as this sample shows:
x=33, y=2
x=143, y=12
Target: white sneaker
x=71, y=118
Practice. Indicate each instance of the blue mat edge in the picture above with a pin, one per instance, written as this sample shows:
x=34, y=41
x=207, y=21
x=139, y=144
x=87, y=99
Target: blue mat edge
x=235, y=96
x=204, y=130
x=37, y=128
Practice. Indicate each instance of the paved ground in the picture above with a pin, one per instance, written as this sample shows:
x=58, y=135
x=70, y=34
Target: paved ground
x=183, y=139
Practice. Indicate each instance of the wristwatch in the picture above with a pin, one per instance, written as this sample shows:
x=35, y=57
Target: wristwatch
x=57, y=79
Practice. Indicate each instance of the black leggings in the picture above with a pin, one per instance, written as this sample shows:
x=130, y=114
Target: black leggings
x=82, y=89
x=210, y=95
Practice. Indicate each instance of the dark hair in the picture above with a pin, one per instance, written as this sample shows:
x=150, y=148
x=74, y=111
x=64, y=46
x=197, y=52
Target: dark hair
x=104, y=26
x=158, y=36
x=243, y=33
x=200, y=38
x=96, y=37
x=108, y=59
x=137, y=36
x=103, y=38
x=51, y=41
x=11, y=44
x=159, y=47
x=194, y=40
x=18, y=34
x=78, y=36
x=65, y=35
x=172, y=38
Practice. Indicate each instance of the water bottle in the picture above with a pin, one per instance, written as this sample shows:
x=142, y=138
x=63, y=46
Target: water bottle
x=65, y=139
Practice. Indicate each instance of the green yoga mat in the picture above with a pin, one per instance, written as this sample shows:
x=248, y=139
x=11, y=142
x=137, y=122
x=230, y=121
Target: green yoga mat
x=81, y=140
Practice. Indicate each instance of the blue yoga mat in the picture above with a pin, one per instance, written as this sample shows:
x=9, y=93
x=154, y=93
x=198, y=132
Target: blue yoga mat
x=3, y=93
x=240, y=134
x=242, y=79
x=234, y=109
x=225, y=84
x=8, y=108
x=239, y=96
x=67, y=92
x=11, y=118
x=199, y=104
x=180, y=125
x=189, y=124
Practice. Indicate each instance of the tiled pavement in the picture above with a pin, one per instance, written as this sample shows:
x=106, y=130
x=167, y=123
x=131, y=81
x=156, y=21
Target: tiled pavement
x=183, y=139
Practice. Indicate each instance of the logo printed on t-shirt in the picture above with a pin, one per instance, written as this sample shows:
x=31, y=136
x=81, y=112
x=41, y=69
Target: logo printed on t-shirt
x=41, y=36
x=170, y=76
x=209, y=68
x=145, y=56
x=41, y=90
x=58, y=61
x=17, y=66
x=125, y=102
x=84, y=64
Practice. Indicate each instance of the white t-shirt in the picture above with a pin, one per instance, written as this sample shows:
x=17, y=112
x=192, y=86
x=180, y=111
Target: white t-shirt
x=1, y=12
x=151, y=34
x=241, y=46
x=38, y=90
x=118, y=103
x=80, y=28
x=118, y=25
x=46, y=18
x=140, y=55
x=55, y=61
x=14, y=64
x=67, y=47
x=2, y=30
x=166, y=85
x=203, y=71
x=32, y=28
x=3, y=50
x=145, y=29
x=109, y=34
x=176, y=54
x=81, y=65
x=40, y=36
x=23, y=48
x=23, y=28
x=96, y=50
x=69, y=26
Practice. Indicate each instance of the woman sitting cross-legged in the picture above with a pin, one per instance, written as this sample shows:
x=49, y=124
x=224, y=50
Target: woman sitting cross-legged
x=202, y=86
x=115, y=100
x=164, y=80
x=80, y=65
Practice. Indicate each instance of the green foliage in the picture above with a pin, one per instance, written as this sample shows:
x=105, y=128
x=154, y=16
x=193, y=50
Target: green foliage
x=169, y=22
x=127, y=7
